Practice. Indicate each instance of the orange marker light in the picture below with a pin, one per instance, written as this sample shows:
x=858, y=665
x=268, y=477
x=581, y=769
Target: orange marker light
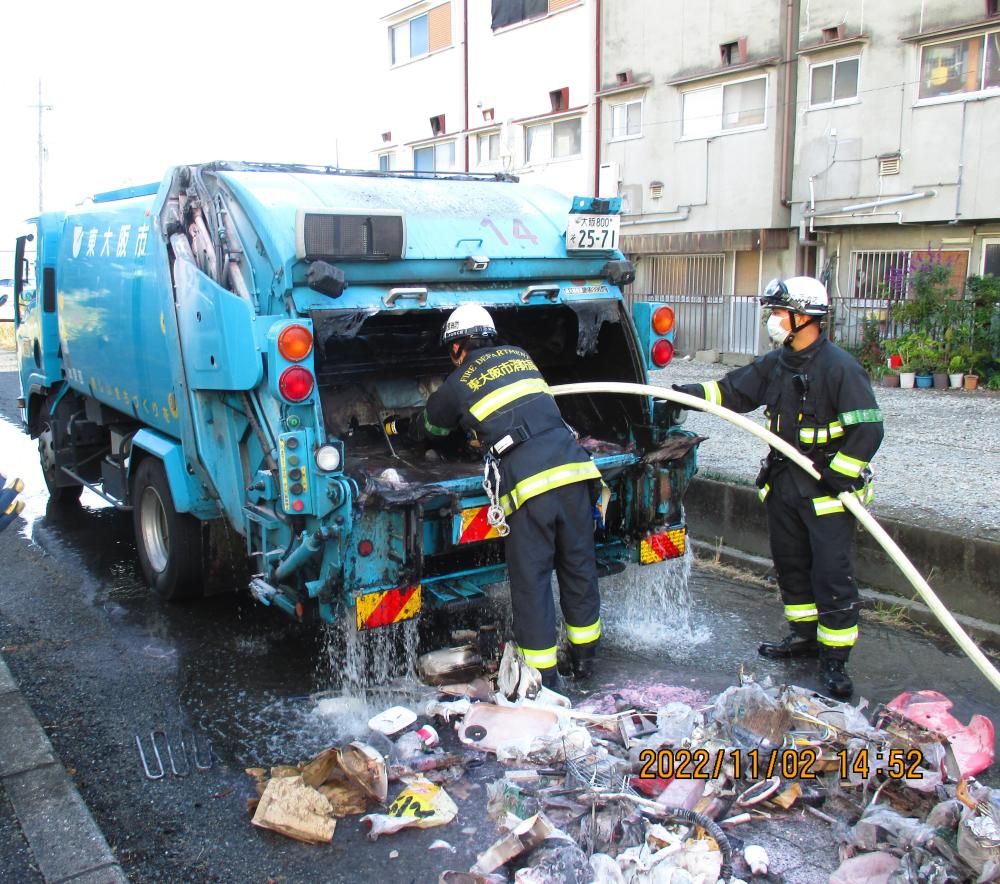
x=295, y=342
x=663, y=320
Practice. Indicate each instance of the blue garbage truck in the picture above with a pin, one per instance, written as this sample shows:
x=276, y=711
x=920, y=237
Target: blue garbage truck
x=222, y=350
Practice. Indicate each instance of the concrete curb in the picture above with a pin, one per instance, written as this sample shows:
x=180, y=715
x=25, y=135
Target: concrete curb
x=727, y=518
x=66, y=842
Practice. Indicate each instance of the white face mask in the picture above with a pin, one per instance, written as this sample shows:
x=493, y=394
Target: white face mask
x=776, y=331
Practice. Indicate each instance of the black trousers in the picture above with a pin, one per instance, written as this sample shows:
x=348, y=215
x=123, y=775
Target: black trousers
x=553, y=530
x=814, y=557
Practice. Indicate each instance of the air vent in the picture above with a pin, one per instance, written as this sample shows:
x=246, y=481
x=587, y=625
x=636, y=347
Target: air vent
x=888, y=165
x=655, y=190
x=346, y=235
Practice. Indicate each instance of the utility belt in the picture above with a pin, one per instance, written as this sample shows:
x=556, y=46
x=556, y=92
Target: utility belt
x=521, y=434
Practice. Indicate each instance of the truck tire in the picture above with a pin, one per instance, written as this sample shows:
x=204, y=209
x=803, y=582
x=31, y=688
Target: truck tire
x=169, y=543
x=58, y=494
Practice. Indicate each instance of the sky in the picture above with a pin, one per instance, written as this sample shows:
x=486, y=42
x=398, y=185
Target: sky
x=136, y=88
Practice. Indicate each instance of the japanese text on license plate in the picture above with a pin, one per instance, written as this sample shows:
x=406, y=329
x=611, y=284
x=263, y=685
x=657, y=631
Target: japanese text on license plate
x=597, y=233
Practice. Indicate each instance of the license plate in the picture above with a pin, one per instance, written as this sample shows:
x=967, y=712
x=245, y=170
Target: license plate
x=592, y=233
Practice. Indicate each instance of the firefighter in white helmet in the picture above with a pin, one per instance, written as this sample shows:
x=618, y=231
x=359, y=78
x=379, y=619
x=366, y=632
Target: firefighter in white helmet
x=546, y=486
x=817, y=397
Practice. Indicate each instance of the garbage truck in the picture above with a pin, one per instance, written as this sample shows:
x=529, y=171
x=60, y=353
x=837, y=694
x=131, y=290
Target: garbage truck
x=222, y=350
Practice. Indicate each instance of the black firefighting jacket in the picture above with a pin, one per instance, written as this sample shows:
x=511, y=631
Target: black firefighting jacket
x=818, y=399
x=499, y=395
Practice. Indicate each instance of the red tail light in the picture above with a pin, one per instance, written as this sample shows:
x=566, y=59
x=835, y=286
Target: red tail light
x=662, y=353
x=663, y=322
x=295, y=343
x=295, y=383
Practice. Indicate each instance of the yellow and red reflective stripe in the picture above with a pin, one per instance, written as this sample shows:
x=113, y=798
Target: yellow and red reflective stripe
x=376, y=609
x=476, y=526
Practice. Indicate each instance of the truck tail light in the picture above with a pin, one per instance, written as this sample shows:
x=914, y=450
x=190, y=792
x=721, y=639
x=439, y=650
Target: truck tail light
x=295, y=383
x=663, y=321
x=295, y=343
x=662, y=352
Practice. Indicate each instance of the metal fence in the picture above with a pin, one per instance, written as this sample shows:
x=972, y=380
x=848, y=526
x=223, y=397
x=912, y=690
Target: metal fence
x=728, y=323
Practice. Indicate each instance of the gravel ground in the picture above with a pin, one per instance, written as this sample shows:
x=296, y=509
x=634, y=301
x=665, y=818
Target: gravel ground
x=939, y=464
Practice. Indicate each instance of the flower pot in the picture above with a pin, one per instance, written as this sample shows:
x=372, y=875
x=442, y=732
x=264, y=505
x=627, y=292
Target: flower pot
x=890, y=380
x=906, y=379
x=971, y=381
x=940, y=380
x=956, y=380
x=925, y=381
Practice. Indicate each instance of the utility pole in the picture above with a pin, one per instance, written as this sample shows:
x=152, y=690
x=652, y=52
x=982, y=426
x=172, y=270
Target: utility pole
x=41, y=146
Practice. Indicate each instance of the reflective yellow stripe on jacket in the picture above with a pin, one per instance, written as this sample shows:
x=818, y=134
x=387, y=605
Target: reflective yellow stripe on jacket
x=505, y=395
x=547, y=480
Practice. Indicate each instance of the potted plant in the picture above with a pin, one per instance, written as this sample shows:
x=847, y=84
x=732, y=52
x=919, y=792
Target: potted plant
x=923, y=359
x=956, y=371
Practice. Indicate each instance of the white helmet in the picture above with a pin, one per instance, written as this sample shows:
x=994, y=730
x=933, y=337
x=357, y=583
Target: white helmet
x=468, y=321
x=800, y=294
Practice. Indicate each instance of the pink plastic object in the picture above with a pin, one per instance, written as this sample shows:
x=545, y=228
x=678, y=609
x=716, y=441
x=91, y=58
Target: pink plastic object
x=971, y=744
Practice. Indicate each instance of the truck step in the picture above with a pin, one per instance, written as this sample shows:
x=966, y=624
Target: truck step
x=452, y=594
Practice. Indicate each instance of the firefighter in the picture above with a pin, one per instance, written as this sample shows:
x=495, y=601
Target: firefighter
x=546, y=483
x=818, y=398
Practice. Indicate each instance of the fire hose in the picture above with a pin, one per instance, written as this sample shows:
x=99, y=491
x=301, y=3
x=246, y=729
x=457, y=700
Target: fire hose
x=850, y=502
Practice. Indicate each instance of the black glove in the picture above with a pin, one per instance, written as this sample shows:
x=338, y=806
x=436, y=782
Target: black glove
x=838, y=482
x=695, y=390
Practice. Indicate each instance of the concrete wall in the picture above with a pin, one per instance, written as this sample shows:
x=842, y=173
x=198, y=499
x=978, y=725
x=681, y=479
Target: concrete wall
x=946, y=144
x=727, y=181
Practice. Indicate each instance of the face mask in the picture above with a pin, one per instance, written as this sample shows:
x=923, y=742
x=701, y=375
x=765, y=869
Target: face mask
x=776, y=331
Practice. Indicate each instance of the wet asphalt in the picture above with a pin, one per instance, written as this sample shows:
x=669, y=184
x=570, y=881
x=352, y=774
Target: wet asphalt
x=102, y=661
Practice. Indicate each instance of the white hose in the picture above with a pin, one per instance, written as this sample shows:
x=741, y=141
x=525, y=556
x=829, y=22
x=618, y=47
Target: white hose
x=849, y=500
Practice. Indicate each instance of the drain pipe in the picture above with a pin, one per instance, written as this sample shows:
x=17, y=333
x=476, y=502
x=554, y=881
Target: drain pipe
x=850, y=502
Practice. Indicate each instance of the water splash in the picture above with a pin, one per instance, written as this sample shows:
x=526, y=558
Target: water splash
x=648, y=608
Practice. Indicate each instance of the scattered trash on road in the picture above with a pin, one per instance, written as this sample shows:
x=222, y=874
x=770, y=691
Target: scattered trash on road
x=650, y=783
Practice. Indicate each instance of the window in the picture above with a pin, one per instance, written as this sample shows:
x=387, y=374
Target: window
x=510, y=12
x=385, y=162
x=626, y=120
x=991, y=257
x=834, y=82
x=434, y=157
x=725, y=108
x=488, y=148
x=546, y=141
x=421, y=34
x=733, y=53
x=881, y=275
x=970, y=64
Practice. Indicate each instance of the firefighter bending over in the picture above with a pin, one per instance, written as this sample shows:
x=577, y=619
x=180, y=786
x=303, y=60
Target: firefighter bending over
x=546, y=483
x=817, y=397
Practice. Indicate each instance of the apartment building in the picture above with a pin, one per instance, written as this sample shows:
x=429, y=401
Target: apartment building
x=506, y=86
x=897, y=138
x=761, y=138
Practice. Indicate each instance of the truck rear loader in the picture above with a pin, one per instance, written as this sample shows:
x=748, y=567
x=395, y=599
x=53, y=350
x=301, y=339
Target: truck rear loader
x=219, y=355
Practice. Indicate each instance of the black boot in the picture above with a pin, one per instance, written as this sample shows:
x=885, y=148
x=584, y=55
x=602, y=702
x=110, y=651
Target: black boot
x=834, y=678
x=792, y=645
x=583, y=658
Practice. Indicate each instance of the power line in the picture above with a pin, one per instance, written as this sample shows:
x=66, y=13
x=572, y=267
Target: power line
x=41, y=145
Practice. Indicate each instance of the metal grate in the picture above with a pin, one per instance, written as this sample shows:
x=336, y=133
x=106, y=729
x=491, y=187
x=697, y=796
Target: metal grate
x=880, y=275
x=888, y=165
x=661, y=275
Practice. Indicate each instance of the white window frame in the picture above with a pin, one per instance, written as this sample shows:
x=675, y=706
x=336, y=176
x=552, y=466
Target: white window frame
x=626, y=105
x=434, y=145
x=488, y=162
x=551, y=124
x=835, y=102
x=753, y=127
x=956, y=96
x=395, y=62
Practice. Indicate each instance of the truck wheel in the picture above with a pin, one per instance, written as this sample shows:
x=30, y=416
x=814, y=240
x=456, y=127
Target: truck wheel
x=168, y=542
x=47, y=458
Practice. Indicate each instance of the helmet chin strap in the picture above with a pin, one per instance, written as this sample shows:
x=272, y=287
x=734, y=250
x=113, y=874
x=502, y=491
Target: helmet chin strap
x=798, y=328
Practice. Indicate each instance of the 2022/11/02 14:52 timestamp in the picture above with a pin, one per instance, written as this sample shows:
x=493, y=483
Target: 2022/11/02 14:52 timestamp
x=802, y=763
